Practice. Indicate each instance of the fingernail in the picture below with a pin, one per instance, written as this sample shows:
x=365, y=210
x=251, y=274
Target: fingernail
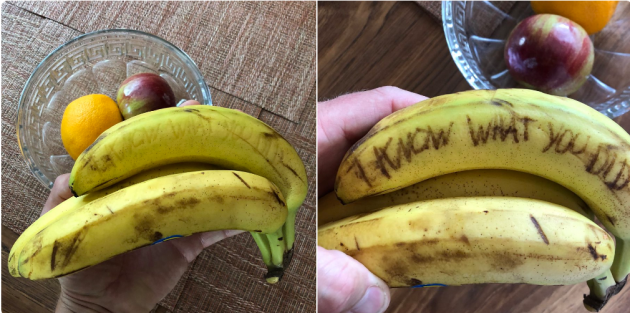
x=373, y=301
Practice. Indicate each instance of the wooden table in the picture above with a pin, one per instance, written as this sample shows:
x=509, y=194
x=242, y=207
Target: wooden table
x=256, y=57
x=363, y=45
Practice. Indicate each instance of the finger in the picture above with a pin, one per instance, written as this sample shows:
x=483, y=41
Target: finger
x=189, y=102
x=191, y=246
x=210, y=238
x=60, y=192
x=344, y=120
x=344, y=284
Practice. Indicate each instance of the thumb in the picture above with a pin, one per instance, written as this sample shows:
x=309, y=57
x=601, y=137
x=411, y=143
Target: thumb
x=344, y=284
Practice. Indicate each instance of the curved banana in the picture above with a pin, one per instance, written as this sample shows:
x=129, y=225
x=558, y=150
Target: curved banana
x=475, y=183
x=74, y=203
x=209, y=134
x=474, y=240
x=556, y=138
x=154, y=210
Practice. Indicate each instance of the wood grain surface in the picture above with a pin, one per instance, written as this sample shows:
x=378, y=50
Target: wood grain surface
x=256, y=57
x=364, y=45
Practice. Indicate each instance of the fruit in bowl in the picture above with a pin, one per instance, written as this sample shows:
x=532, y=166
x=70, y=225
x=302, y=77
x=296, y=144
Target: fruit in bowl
x=549, y=53
x=142, y=93
x=85, y=119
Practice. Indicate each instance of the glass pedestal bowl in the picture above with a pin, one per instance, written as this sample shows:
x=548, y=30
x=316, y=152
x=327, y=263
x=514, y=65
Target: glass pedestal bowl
x=94, y=63
x=476, y=32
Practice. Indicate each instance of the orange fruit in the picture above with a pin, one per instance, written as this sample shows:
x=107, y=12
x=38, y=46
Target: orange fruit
x=591, y=15
x=85, y=119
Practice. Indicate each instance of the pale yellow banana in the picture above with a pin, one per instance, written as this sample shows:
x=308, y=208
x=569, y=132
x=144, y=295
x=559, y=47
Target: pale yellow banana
x=472, y=240
x=474, y=183
x=138, y=215
x=556, y=138
x=209, y=134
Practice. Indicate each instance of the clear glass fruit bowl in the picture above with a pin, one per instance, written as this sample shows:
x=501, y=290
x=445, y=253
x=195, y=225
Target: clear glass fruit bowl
x=476, y=32
x=93, y=63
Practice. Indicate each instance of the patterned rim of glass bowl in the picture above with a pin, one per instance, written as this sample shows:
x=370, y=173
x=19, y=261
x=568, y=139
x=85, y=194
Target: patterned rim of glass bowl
x=39, y=84
x=459, y=45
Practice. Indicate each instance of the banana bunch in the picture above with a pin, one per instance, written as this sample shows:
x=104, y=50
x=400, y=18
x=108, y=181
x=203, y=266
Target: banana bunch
x=525, y=228
x=155, y=176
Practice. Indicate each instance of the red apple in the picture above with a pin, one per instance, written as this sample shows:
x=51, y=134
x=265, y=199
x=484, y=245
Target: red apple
x=549, y=53
x=142, y=93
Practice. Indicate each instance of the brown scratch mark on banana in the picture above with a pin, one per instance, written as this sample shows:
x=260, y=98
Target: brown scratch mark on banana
x=485, y=212
x=110, y=209
x=341, y=244
x=610, y=219
x=280, y=239
x=406, y=147
x=242, y=180
x=258, y=231
x=198, y=114
x=608, y=156
x=556, y=139
x=540, y=231
x=68, y=248
x=357, y=243
x=603, y=278
x=54, y=255
x=465, y=239
x=292, y=171
x=362, y=172
x=277, y=197
x=500, y=126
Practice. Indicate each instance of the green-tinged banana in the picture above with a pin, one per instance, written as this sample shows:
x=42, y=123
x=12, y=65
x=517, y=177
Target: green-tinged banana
x=215, y=135
x=154, y=210
x=556, y=138
x=75, y=203
x=475, y=183
x=474, y=240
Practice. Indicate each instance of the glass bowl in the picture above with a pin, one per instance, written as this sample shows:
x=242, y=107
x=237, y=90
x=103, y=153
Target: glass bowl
x=93, y=63
x=476, y=32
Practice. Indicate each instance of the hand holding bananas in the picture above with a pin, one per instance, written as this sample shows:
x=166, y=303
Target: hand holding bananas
x=132, y=282
x=170, y=173
x=343, y=283
x=499, y=223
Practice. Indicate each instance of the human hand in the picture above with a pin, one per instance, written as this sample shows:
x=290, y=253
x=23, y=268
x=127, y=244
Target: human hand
x=343, y=283
x=134, y=281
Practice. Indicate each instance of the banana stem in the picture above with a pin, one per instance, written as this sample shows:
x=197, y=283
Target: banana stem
x=603, y=287
x=600, y=284
x=289, y=229
x=276, y=243
x=621, y=264
x=263, y=246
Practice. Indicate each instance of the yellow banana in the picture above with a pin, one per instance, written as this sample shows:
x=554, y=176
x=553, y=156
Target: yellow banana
x=472, y=240
x=475, y=183
x=75, y=203
x=557, y=138
x=174, y=205
x=215, y=135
